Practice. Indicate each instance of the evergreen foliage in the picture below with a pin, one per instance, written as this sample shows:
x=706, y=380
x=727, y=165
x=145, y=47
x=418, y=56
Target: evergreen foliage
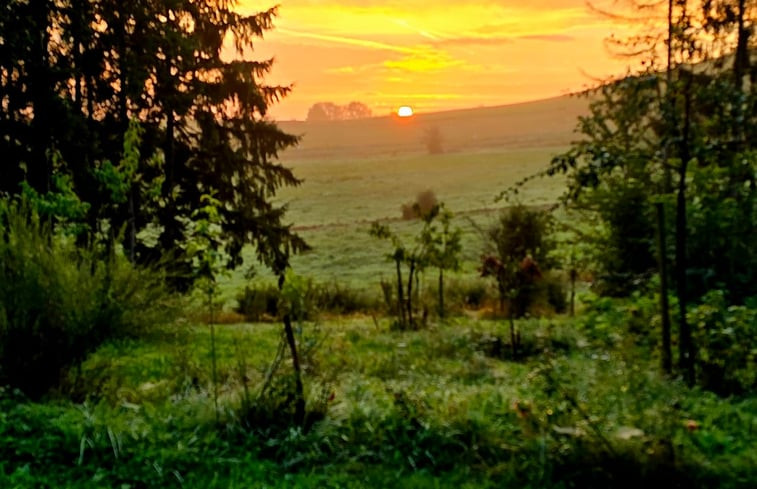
x=75, y=74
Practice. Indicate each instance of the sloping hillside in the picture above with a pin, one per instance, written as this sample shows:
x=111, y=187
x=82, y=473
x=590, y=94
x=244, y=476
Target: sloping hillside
x=541, y=123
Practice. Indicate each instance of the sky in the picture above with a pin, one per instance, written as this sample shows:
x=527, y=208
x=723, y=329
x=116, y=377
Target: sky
x=434, y=54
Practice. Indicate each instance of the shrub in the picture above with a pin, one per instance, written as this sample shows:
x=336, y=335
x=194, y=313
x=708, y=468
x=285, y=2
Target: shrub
x=340, y=299
x=261, y=302
x=460, y=294
x=727, y=349
x=557, y=296
x=423, y=204
x=516, y=254
x=58, y=302
x=546, y=296
x=258, y=303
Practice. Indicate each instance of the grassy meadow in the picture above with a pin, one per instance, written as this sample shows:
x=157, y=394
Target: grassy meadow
x=442, y=407
x=582, y=405
x=335, y=206
x=363, y=171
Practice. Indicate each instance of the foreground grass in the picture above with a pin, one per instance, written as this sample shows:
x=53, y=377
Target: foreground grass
x=441, y=407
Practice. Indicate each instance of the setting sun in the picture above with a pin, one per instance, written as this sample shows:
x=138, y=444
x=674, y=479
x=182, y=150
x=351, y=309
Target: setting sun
x=418, y=52
x=405, y=111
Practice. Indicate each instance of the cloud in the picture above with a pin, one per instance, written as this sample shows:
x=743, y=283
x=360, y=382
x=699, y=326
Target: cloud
x=352, y=41
x=501, y=40
x=474, y=41
x=547, y=37
x=424, y=60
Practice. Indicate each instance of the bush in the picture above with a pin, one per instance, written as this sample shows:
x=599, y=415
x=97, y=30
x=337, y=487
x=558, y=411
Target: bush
x=423, y=204
x=557, y=295
x=726, y=359
x=261, y=302
x=516, y=254
x=546, y=296
x=460, y=294
x=58, y=302
x=339, y=299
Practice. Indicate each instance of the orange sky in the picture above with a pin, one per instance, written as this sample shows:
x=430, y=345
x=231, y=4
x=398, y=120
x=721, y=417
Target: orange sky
x=432, y=55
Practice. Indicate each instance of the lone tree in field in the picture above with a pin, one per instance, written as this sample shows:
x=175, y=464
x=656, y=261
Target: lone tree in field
x=423, y=205
x=433, y=140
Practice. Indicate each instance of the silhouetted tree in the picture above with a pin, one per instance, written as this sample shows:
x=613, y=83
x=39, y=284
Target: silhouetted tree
x=329, y=111
x=75, y=73
x=357, y=110
x=433, y=140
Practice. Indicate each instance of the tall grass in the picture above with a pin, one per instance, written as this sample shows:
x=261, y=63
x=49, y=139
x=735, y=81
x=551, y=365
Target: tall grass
x=58, y=302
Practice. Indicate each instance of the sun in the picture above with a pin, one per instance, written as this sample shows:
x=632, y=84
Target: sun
x=405, y=111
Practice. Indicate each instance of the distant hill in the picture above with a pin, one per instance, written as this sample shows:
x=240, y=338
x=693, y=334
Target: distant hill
x=542, y=123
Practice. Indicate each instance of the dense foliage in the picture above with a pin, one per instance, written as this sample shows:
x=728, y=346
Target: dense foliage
x=517, y=251
x=132, y=135
x=444, y=409
x=684, y=137
x=74, y=74
x=59, y=302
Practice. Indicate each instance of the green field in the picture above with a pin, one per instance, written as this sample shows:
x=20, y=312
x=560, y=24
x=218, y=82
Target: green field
x=339, y=192
x=339, y=199
x=362, y=171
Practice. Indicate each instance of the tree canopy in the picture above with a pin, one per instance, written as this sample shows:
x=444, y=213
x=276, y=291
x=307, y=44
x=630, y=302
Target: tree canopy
x=75, y=74
x=682, y=137
x=329, y=111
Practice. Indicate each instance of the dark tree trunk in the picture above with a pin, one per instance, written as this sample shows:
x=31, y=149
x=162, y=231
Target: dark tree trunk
x=400, y=295
x=441, y=292
x=662, y=262
x=686, y=348
x=668, y=185
x=299, y=406
x=741, y=59
x=76, y=32
x=411, y=276
x=41, y=93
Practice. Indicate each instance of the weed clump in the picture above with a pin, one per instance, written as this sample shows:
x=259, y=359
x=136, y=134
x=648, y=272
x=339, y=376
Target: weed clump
x=59, y=302
x=263, y=302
